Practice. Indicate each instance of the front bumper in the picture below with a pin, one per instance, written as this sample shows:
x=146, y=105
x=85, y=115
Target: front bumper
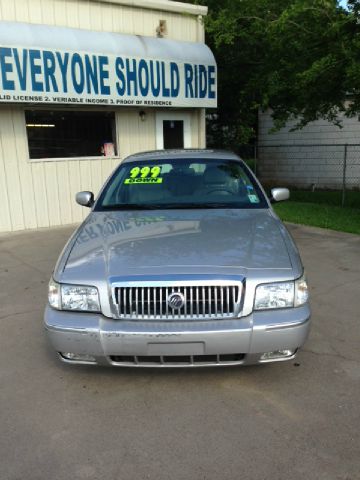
x=100, y=340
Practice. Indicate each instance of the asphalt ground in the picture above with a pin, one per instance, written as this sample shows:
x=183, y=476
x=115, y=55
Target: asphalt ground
x=294, y=420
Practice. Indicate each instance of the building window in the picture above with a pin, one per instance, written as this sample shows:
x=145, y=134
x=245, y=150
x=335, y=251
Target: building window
x=67, y=134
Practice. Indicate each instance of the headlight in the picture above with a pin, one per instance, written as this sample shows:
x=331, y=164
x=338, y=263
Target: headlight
x=281, y=294
x=274, y=295
x=73, y=297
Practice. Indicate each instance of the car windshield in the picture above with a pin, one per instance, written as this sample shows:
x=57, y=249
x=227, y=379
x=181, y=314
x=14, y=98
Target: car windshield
x=181, y=183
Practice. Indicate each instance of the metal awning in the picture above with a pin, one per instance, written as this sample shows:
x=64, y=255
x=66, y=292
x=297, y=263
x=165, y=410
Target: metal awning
x=53, y=63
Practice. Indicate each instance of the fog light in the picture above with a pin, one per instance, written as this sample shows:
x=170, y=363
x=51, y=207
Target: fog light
x=277, y=355
x=78, y=357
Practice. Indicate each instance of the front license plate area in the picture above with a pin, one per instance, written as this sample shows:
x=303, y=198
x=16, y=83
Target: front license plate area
x=176, y=348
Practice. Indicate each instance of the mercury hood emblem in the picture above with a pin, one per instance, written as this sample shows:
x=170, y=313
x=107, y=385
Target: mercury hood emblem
x=176, y=300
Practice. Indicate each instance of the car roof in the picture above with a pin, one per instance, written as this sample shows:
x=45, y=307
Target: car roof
x=191, y=153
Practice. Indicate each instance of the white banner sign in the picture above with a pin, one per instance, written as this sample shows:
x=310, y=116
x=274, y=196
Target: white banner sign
x=31, y=75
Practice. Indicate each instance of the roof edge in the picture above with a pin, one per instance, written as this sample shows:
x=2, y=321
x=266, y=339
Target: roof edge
x=183, y=152
x=164, y=5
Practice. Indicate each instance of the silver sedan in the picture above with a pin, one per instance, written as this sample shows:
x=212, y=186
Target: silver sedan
x=181, y=262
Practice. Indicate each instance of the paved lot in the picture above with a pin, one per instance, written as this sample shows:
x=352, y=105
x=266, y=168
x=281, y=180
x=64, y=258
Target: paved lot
x=297, y=420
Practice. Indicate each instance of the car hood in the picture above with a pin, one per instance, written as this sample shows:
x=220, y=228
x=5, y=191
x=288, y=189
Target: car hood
x=111, y=244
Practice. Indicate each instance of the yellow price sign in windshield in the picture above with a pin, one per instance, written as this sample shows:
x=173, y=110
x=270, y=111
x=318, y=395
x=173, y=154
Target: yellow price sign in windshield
x=143, y=175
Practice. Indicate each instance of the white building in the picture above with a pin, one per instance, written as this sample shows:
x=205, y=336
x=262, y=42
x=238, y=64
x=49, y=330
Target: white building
x=85, y=83
x=320, y=155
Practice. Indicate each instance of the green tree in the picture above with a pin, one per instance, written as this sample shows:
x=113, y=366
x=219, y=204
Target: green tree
x=301, y=58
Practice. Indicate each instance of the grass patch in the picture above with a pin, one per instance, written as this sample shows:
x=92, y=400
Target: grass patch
x=320, y=215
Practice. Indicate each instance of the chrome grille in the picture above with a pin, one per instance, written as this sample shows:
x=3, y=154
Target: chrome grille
x=200, y=301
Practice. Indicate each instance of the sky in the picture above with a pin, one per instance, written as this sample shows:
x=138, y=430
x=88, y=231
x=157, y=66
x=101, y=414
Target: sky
x=343, y=3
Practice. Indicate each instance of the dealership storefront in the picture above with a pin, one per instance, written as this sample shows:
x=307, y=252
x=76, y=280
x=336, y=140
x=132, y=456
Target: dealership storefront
x=85, y=87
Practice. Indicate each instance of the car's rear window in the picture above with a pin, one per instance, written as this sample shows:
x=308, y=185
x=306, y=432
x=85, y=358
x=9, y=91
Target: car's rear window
x=182, y=183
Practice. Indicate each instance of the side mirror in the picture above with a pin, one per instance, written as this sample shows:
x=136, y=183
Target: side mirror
x=279, y=194
x=85, y=199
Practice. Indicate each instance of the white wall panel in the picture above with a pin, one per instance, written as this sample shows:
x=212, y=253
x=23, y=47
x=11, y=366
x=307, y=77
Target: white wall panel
x=107, y=168
x=107, y=13
x=35, y=11
x=40, y=193
x=24, y=168
x=100, y=16
x=75, y=186
x=22, y=11
x=48, y=13
x=11, y=170
x=134, y=134
x=96, y=177
x=5, y=217
x=66, y=197
x=94, y=17
x=59, y=12
x=84, y=14
x=318, y=132
x=72, y=13
x=52, y=193
x=7, y=10
x=194, y=128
